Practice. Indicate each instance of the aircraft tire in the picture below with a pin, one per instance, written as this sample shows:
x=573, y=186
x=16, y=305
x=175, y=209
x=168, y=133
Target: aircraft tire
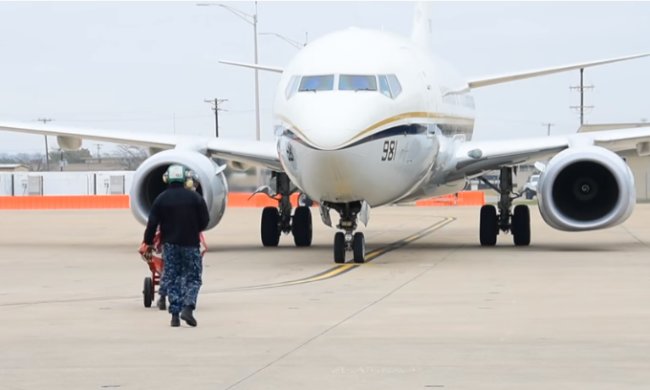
x=488, y=226
x=339, y=248
x=147, y=292
x=521, y=225
x=359, y=247
x=301, y=226
x=270, y=229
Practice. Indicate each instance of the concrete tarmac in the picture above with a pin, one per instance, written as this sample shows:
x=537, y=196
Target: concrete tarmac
x=572, y=311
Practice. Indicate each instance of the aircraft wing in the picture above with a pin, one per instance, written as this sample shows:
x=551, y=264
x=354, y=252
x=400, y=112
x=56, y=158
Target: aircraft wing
x=486, y=81
x=472, y=158
x=250, y=152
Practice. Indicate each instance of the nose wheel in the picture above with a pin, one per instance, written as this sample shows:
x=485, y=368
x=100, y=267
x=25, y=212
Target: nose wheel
x=348, y=240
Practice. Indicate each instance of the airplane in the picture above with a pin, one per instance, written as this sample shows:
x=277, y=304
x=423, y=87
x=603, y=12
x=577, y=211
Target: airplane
x=368, y=118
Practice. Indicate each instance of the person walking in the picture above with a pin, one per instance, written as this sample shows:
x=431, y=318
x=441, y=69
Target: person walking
x=181, y=214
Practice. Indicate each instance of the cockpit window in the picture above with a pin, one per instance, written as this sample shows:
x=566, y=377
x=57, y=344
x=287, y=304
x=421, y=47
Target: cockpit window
x=395, y=86
x=349, y=82
x=292, y=86
x=383, y=85
x=317, y=83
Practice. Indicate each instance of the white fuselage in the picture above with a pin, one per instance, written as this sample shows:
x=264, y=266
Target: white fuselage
x=342, y=138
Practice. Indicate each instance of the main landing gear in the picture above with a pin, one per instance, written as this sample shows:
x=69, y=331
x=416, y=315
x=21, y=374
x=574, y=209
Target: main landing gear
x=277, y=220
x=517, y=222
x=348, y=240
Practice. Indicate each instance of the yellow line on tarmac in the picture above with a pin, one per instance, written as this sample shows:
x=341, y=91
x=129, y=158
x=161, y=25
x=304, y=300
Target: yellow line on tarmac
x=343, y=268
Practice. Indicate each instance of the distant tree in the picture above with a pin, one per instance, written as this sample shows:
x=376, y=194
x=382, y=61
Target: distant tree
x=70, y=156
x=132, y=156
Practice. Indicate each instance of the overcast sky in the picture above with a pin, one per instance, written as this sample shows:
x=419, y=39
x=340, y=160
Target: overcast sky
x=149, y=66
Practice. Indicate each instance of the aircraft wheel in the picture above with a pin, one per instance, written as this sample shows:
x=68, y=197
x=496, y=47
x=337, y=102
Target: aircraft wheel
x=339, y=248
x=488, y=226
x=301, y=226
x=270, y=229
x=359, y=247
x=521, y=225
x=147, y=292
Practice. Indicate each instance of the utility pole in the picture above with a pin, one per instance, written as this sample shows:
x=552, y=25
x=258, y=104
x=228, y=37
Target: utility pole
x=215, y=107
x=582, y=88
x=99, y=155
x=47, y=153
x=548, y=128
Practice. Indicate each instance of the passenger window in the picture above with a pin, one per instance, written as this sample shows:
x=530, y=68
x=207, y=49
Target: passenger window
x=317, y=83
x=348, y=82
x=395, y=86
x=292, y=86
x=383, y=85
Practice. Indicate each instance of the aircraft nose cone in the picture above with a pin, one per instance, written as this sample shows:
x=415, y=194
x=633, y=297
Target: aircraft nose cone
x=334, y=121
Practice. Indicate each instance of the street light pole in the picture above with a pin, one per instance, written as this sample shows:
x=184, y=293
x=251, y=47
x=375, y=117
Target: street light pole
x=292, y=42
x=252, y=20
x=257, y=80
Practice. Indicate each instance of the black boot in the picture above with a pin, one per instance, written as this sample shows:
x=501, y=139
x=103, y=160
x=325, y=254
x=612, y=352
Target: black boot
x=186, y=315
x=162, y=303
x=175, y=321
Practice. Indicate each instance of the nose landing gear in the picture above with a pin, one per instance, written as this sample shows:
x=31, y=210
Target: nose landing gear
x=348, y=240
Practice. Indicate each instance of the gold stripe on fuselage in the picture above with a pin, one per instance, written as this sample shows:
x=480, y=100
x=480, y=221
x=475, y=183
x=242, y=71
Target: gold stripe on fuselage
x=442, y=119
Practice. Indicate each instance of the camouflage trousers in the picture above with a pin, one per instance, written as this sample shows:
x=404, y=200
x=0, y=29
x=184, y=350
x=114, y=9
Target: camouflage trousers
x=182, y=275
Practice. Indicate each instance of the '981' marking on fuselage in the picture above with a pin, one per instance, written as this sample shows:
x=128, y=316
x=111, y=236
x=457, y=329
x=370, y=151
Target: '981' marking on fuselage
x=389, y=151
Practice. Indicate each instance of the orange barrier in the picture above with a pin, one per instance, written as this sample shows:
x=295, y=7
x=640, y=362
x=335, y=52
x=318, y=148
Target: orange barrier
x=471, y=198
x=235, y=199
x=55, y=202
x=59, y=202
x=244, y=199
x=463, y=198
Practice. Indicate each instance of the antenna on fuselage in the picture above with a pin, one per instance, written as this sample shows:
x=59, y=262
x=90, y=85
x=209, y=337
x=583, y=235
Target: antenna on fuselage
x=422, y=25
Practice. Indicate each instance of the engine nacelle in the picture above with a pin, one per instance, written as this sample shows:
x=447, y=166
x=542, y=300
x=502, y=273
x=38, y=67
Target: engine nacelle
x=148, y=183
x=68, y=143
x=586, y=188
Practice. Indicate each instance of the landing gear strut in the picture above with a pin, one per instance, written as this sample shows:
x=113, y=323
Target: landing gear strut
x=277, y=220
x=348, y=240
x=517, y=222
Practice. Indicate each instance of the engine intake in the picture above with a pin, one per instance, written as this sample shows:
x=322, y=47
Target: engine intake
x=585, y=189
x=148, y=183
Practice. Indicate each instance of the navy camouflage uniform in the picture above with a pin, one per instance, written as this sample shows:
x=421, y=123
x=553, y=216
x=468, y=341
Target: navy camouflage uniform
x=182, y=276
x=182, y=215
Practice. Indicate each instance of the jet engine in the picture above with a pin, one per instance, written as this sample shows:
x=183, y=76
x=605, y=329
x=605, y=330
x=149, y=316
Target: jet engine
x=148, y=183
x=586, y=188
x=68, y=143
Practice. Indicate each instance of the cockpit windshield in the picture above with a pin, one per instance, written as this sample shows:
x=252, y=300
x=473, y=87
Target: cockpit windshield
x=317, y=83
x=387, y=84
x=351, y=82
